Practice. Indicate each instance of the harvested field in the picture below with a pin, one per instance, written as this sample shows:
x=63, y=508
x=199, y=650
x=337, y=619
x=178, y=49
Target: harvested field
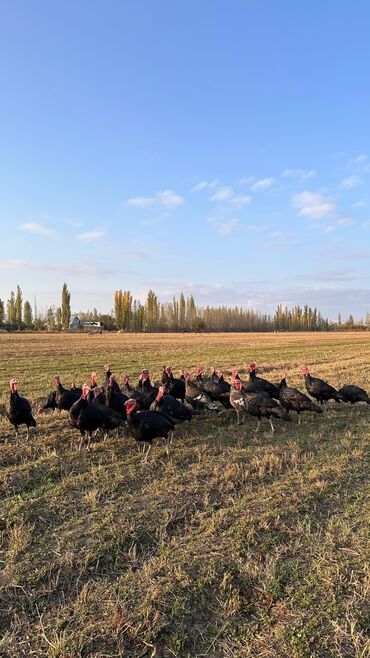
x=236, y=546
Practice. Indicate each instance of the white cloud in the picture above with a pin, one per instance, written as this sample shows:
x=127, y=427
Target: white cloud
x=359, y=204
x=247, y=181
x=351, y=181
x=169, y=199
x=38, y=229
x=329, y=229
x=224, y=227
x=304, y=174
x=314, y=205
x=90, y=236
x=366, y=224
x=263, y=184
x=141, y=201
x=204, y=184
x=241, y=200
x=166, y=198
x=223, y=194
x=200, y=186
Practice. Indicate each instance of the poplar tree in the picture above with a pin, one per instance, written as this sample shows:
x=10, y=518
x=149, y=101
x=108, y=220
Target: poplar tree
x=58, y=318
x=10, y=309
x=66, y=307
x=18, y=308
x=27, y=315
x=118, y=311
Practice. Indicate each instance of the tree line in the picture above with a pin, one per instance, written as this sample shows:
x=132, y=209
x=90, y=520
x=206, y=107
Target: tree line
x=182, y=314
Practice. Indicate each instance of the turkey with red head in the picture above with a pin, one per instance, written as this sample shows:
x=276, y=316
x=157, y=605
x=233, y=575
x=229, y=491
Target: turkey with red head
x=196, y=397
x=259, y=385
x=174, y=386
x=115, y=399
x=147, y=389
x=294, y=400
x=19, y=411
x=145, y=426
x=88, y=417
x=259, y=405
x=214, y=389
x=65, y=397
x=132, y=393
x=318, y=389
x=170, y=408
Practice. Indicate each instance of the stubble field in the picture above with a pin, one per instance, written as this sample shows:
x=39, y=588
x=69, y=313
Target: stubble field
x=236, y=546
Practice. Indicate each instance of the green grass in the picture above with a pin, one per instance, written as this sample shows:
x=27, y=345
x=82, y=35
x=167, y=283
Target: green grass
x=234, y=547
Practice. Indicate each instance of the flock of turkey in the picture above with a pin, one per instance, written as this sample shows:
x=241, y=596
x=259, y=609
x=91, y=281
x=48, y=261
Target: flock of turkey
x=151, y=411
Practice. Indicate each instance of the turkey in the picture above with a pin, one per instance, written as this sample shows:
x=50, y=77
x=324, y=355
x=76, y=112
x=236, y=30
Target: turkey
x=214, y=389
x=146, y=388
x=115, y=399
x=170, y=408
x=108, y=374
x=293, y=400
x=259, y=405
x=351, y=393
x=132, y=393
x=19, y=411
x=174, y=386
x=96, y=393
x=145, y=426
x=196, y=397
x=220, y=378
x=49, y=404
x=65, y=397
x=319, y=389
x=258, y=385
x=88, y=417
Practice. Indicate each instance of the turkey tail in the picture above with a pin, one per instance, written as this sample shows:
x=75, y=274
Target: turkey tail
x=279, y=412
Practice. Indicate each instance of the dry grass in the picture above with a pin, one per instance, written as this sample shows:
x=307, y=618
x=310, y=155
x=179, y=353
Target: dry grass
x=235, y=546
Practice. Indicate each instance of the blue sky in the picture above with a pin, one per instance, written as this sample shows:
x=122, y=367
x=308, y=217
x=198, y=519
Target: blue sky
x=219, y=148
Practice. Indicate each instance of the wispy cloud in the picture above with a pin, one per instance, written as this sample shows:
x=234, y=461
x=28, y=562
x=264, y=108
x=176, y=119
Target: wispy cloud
x=38, y=229
x=262, y=184
x=314, y=205
x=223, y=194
x=247, y=181
x=202, y=185
x=241, y=200
x=169, y=199
x=90, y=236
x=141, y=201
x=351, y=181
x=224, y=227
x=226, y=194
x=165, y=198
x=359, y=204
x=304, y=174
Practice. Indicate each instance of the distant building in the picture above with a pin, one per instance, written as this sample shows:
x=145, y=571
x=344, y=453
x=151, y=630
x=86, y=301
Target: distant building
x=77, y=325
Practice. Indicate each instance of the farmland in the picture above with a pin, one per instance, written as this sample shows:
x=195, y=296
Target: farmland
x=237, y=545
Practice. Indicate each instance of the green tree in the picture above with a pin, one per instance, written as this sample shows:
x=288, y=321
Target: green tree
x=182, y=311
x=2, y=311
x=118, y=310
x=27, y=315
x=58, y=318
x=51, y=318
x=18, y=308
x=10, y=309
x=66, y=307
